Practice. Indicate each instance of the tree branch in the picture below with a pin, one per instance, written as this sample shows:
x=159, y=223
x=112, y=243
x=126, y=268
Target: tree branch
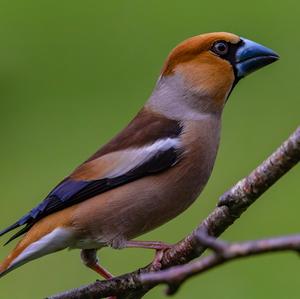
x=175, y=276
x=230, y=207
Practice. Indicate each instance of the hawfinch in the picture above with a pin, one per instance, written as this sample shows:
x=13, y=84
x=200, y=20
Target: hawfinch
x=154, y=168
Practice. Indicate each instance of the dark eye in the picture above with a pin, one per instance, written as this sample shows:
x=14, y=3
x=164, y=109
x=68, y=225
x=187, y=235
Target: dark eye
x=220, y=48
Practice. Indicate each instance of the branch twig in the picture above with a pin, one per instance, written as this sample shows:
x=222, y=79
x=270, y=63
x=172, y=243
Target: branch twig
x=175, y=276
x=230, y=207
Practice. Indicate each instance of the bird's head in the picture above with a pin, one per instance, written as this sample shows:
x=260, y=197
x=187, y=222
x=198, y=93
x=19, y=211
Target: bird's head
x=208, y=66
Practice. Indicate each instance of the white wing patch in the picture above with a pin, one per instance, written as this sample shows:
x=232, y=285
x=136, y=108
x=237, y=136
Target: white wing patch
x=132, y=158
x=120, y=162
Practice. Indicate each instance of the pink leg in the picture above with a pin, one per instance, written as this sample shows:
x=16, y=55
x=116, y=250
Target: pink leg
x=101, y=271
x=157, y=245
x=160, y=247
x=89, y=258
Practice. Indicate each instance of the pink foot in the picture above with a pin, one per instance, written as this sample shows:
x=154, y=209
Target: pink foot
x=160, y=247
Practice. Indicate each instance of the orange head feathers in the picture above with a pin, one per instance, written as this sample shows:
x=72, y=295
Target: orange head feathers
x=211, y=64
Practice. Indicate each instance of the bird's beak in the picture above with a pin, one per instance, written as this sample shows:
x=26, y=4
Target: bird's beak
x=251, y=56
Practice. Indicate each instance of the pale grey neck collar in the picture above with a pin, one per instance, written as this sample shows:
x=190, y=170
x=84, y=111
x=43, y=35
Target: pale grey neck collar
x=171, y=98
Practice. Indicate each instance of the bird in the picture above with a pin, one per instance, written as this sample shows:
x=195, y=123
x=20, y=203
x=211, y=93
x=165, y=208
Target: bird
x=151, y=171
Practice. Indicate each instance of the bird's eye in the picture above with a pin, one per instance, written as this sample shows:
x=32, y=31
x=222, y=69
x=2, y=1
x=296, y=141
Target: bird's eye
x=221, y=48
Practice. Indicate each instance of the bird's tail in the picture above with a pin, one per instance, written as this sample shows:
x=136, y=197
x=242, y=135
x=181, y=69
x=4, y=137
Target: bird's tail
x=40, y=240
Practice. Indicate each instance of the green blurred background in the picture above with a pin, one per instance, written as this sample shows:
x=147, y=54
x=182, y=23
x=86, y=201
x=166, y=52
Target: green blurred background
x=73, y=73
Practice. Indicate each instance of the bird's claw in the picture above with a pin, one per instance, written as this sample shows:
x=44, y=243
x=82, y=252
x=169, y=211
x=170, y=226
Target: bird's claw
x=156, y=263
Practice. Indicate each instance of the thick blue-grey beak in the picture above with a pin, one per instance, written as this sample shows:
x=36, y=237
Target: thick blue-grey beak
x=251, y=56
